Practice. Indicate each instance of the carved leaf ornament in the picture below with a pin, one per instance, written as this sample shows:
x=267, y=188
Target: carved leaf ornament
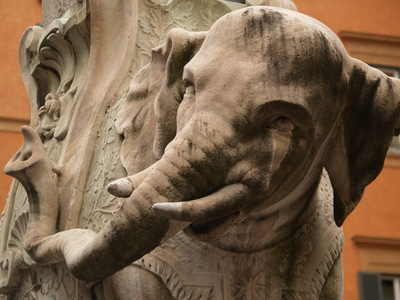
x=161, y=16
x=56, y=55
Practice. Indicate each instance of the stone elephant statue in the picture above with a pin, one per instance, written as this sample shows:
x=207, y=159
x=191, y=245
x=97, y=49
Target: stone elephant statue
x=245, y=123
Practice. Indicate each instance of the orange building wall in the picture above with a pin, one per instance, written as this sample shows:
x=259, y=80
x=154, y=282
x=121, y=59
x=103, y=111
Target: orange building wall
x=15, y=16
x=379, y=211
x=367, y=16
x=376, y=216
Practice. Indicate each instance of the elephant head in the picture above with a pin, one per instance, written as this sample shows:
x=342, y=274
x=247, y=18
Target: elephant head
x=269, y=99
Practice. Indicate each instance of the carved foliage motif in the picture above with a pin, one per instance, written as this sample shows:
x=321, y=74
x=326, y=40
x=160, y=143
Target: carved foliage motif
x=250, y=282
x=52, y=283
x=99, y=204
x=57, y=58
x=159, y=17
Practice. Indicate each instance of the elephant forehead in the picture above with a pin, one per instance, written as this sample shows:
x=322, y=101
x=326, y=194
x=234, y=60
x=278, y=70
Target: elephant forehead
x=266, y=25
x=256, y=55
x=273, y=42
x=240, y=89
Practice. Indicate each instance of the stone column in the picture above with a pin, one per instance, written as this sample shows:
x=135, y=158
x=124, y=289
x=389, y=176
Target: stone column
x=54, y=9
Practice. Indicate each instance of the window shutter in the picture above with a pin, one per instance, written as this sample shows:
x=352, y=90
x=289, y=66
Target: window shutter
x=370, y=286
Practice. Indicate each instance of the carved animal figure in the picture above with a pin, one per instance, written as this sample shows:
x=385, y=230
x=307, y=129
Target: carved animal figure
x=243, y=119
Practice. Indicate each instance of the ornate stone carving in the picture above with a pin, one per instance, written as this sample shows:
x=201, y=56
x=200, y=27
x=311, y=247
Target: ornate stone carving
x=157, y=18
x=59, y=64
x=55, y=9
x=220, y=143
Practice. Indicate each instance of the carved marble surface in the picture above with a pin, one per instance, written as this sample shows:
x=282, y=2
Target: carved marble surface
x=195, y=270
x=55, y=9
x=55, y=61
x=216, y=148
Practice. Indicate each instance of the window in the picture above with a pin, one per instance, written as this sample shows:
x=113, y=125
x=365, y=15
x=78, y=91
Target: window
x=388, y=70
x=395, y=145
x=378, y=286
x=390, y=287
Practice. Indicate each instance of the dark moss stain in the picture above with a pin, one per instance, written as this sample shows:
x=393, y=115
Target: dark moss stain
x=308, y=61
x=292, y=52
x=365, y=129
x=256, y=24
x=179, y=58
x=246, y=12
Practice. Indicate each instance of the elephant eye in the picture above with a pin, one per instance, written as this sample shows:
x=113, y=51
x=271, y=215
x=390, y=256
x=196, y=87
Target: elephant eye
x=189, y=90
x=282, y=123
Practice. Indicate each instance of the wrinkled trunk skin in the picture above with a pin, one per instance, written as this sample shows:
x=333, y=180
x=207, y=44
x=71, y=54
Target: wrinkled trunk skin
x=192, y=167
x=189, y=169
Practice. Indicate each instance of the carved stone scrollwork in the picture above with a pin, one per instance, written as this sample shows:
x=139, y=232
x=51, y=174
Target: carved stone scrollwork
x=15, y=259
x=76, y=88
x=53, y=62
x=56, y=60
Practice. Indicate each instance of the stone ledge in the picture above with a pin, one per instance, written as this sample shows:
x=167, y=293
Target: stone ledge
x=12, y=125
x=369, y=241
x=372, y=48
x=379, y=254
x=392, y=160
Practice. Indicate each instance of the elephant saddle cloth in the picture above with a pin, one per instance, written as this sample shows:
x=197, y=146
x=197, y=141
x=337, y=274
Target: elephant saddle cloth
x=295, y=268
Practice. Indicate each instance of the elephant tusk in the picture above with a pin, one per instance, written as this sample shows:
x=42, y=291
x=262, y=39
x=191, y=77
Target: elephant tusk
x=124, y=187
x=224, y=202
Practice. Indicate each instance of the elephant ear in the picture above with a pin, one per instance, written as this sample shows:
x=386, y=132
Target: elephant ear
x=177, y=51
x=148, y=116
x=369, y=120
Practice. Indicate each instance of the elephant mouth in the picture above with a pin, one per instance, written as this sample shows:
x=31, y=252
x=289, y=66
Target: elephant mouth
x=212, y=216
x=214, y=229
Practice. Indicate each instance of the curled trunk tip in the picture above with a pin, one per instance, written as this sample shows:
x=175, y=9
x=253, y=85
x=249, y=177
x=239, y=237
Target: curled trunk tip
x=120, y=188
x=124, y=187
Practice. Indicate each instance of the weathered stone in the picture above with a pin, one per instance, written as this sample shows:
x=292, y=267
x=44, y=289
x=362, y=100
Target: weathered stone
x=238, y=151
x=52, y=10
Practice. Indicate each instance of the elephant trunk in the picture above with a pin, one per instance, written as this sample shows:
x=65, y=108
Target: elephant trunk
x=134, y=231
x=191, y=168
